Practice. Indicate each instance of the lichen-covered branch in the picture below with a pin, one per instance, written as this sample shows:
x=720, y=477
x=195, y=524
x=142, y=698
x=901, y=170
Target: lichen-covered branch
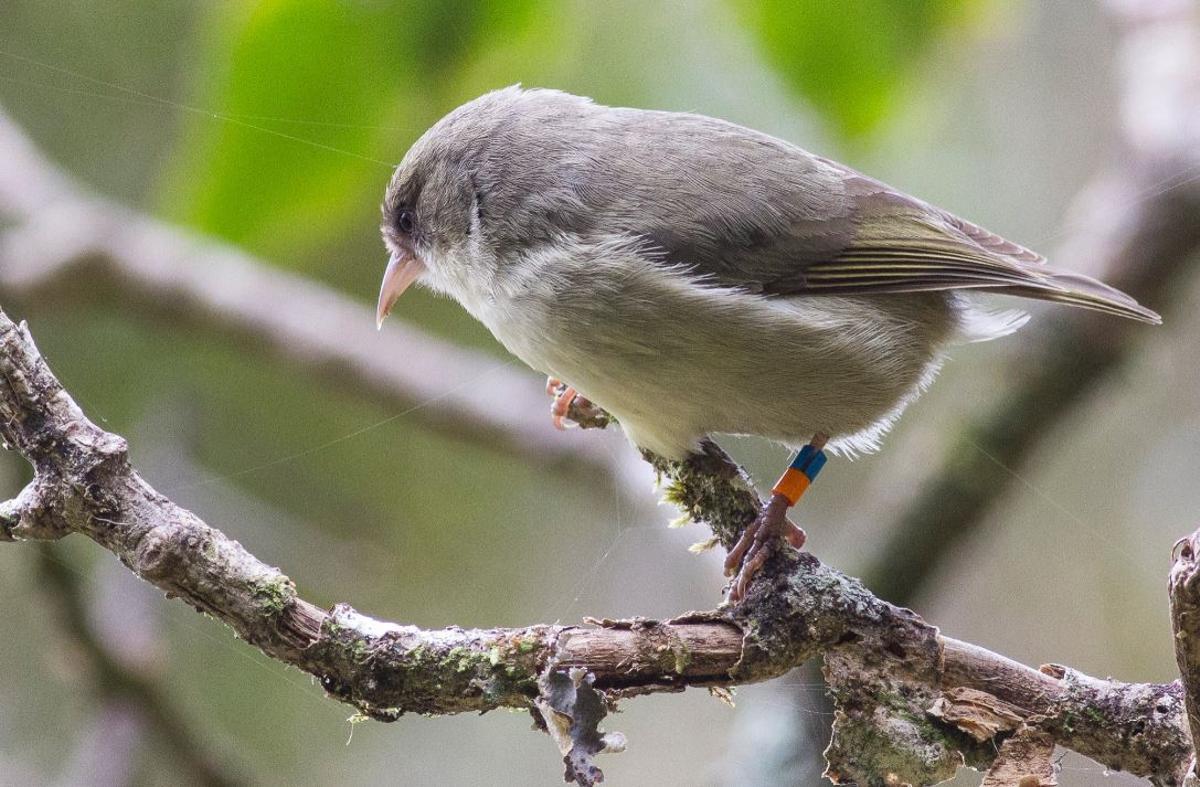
x=912, y=705
x=1185, y=622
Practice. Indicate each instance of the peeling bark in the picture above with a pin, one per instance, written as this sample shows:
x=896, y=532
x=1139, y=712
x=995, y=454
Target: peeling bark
x=1025, y=760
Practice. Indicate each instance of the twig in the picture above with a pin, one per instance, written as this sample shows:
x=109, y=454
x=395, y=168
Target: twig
x=888, y=670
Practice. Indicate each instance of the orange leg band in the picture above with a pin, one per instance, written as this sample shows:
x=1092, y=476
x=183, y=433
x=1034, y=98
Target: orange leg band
x=792, y=485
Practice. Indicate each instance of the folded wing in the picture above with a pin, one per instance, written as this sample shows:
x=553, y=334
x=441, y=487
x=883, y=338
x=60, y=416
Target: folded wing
x=904, y=245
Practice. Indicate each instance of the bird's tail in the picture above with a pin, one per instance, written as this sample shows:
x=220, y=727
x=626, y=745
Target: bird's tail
x=1075, y=289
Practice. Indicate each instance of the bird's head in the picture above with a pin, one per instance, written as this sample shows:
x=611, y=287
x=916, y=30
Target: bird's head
x=476, y=189
x=427, y=215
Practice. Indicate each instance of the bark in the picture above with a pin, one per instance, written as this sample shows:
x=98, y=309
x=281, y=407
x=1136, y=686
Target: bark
x=1185, y=622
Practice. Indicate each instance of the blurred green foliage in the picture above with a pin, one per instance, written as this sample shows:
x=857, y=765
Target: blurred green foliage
x=313, y=94
x=852, y=60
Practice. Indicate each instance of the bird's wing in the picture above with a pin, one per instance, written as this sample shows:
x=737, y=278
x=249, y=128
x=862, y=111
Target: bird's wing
x=902, y=244
x=748, y=210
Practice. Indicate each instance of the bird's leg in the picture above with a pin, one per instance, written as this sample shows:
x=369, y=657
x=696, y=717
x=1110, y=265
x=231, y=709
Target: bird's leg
x=564, y=396
x=760, y=538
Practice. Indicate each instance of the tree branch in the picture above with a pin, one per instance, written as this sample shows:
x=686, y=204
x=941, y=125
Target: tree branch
x=909, y=701
x=1185, y=622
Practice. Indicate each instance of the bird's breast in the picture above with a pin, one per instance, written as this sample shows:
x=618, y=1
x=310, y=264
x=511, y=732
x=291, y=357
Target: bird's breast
x=675, y=358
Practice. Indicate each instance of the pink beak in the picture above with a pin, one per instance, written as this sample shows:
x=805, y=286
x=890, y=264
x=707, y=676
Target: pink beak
x=402, y=270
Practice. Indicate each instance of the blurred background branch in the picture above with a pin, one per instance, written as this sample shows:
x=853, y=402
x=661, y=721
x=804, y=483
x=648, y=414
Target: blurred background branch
x=1135, y=226
x=66, y=242
x=133, y=703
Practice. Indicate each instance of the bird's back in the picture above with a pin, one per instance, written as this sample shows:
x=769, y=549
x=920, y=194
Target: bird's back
x=701, y=191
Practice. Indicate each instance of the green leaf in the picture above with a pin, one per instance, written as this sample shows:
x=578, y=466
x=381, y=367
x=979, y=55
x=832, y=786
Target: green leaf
x=851, y=60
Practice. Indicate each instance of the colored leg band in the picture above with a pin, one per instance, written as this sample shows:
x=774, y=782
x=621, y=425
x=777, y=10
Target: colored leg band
x=800, y=474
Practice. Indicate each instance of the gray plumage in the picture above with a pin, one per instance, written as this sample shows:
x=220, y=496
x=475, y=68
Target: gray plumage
x=694, y=276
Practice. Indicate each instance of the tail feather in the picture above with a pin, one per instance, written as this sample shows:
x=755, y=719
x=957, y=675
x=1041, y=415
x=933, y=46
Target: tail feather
x=1075, y=289
x=909, y=246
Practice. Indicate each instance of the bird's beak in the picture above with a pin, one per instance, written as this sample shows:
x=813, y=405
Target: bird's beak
x=402, y=270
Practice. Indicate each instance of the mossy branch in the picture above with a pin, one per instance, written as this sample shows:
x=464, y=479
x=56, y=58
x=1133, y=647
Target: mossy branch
x=912, y=705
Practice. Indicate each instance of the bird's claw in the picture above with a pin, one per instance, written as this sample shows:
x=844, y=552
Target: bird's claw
x=564, y=397
x=757, y=543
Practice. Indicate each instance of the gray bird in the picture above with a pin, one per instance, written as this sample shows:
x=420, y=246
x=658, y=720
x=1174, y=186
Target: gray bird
x=692, y=276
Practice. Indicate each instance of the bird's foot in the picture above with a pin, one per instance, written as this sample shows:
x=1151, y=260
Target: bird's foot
x=758, y=542
x=565, y=396
x=763, y=535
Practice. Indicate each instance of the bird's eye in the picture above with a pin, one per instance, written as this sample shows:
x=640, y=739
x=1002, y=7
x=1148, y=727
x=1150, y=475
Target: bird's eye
x=406, y=221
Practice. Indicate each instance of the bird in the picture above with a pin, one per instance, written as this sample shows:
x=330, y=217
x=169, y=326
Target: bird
x=695, y=277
